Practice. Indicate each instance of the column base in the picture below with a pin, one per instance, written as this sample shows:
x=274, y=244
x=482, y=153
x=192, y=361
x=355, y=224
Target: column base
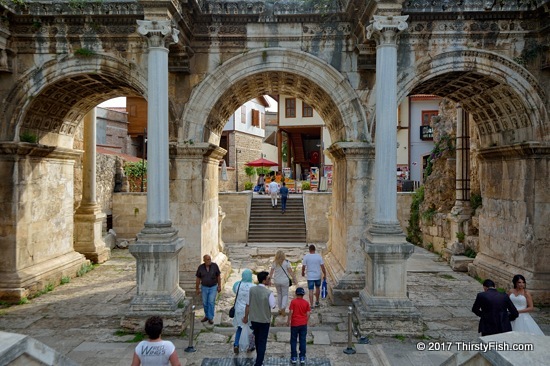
x=343, y=285
x=156, y=251
x=383, y=306
x=175, y=322
x=26, y=282
x=391, y=233
x=485, y=266
x=88, y=239
x=387, y=316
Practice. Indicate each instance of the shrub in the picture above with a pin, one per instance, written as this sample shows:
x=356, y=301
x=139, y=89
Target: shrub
x=475, y=201
x=248, y=186
x=460, y=236
x=414, y=234
x=305, y=186
x=135, y=173
x=27, y=136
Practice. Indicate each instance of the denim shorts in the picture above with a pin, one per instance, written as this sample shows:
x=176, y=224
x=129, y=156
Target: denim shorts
x=313, y=283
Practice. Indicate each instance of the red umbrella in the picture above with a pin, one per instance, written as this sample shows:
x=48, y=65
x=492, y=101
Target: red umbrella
x=261, y=163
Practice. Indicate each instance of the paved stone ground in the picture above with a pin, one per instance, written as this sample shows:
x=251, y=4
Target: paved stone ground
x=81, y=319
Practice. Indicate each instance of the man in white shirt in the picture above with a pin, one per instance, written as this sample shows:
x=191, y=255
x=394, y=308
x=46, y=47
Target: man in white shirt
x=273, y=190
x=314, y=265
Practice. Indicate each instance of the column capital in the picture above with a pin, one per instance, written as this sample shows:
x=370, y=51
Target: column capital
x=384, y=28
x=159, y=33
x=351, y=150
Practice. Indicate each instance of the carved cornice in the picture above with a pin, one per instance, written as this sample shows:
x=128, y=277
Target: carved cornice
x=14, y=149
x=351, y=150
x=520, y=151
x=201, y=150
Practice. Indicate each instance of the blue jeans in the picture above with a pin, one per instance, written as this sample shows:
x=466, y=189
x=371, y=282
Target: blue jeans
x=209, y=300
x=283, y=203
x=261, y=332
x=295, y=333
x=237, y=336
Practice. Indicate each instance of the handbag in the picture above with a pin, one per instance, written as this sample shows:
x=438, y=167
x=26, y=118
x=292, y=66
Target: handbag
x=289, y=280
x=232, y=310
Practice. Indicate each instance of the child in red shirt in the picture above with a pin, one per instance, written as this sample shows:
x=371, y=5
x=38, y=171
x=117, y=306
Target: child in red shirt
x=298, y=317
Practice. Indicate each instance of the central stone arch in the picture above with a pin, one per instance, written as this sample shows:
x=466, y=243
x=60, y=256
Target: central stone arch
x=279, y=71
x=507, y=106
x=274, y=70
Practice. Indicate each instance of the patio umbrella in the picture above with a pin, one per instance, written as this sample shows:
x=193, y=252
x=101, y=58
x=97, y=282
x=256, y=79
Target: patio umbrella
x=261, y=163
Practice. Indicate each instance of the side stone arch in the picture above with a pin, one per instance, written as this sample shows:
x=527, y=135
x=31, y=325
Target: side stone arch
x=52, y=99
x=510, y=111
x=506, y=102
x=274, y=70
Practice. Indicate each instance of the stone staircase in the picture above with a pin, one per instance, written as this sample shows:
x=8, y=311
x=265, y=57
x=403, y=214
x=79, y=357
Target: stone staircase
x=268, y=224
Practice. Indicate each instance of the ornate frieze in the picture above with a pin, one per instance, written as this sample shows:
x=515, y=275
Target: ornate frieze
x=285, y=7
x=462, y=6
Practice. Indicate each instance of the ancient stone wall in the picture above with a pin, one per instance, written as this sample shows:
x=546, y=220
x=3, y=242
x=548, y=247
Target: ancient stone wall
x=237, y=213
x=129, y=214
x=250, y=148
x=105, y=181
x=316, y=206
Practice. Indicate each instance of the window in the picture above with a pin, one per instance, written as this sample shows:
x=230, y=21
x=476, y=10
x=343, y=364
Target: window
x=307, y=110
x=255, y=118
x=427, y=117
x=290, y=108
x=243, y=114
x=426, y=131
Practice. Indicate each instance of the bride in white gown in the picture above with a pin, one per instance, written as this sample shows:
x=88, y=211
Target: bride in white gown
x=524, y=303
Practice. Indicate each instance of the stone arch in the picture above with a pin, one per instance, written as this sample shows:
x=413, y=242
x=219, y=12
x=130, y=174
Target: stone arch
x=274, y=70
x=50, y=100
x=505, y=100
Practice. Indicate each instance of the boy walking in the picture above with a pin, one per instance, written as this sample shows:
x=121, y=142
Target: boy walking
x=298, y=318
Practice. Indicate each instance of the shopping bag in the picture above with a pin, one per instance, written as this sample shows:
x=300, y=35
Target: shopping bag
x=245, y=338
x=324, y=289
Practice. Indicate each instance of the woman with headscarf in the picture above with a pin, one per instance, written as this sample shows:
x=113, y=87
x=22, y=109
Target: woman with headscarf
x=242, y=289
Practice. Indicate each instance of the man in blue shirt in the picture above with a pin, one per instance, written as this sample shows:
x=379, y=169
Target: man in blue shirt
x=284, y=195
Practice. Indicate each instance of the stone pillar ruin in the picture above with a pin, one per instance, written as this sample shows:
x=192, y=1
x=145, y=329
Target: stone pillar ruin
x=158, y=246
x=352, y=190
x=383, y=306
x=194, y=207
x=88, y=225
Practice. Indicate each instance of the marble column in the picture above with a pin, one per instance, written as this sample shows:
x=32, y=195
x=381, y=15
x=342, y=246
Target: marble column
x=88, y=226
x=383, y=306
x=158, y=245
x=461, y=211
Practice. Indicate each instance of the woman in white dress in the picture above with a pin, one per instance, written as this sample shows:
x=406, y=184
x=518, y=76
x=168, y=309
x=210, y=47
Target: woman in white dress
x=524, y=303
x=242, y=289
x=281, y=272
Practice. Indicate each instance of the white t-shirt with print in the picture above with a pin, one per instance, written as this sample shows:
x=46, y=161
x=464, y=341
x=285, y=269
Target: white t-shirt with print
x=313, y=266
x=155, y=353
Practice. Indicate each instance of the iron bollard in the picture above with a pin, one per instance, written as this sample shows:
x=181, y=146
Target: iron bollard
x=190, y=348
x=349, y=350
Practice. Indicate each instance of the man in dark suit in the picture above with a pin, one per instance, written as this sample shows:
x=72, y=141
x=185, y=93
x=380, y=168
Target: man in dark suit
x=495, y=309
